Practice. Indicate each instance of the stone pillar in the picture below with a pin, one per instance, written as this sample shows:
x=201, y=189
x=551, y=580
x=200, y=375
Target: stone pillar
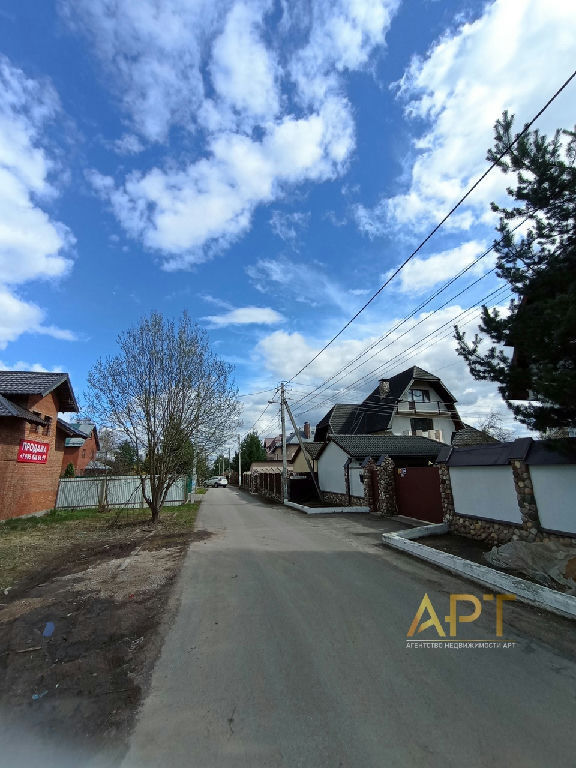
x=531, y=527
x=446, y=494
x=386, y=502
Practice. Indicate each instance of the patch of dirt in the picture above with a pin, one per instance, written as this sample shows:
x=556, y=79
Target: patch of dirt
x=79, y=639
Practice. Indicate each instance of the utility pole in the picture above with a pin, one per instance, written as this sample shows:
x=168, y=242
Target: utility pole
x=284, y=458
x=228, y=461
x=239, y=463
x=303, y=449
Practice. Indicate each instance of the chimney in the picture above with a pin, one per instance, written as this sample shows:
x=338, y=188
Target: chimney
x=383, y=387
x=307, y=430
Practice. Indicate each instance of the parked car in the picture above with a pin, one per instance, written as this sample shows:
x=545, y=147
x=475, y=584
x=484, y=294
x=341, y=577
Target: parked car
x=216, y=482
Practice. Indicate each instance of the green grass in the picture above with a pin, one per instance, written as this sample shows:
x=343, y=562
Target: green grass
x=28, y=544
x=200, y=490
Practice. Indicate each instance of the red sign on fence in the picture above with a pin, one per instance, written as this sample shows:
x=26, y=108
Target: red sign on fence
x=32, y=452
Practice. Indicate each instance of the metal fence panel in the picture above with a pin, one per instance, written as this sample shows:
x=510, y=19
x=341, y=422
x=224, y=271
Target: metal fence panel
x=115, y=490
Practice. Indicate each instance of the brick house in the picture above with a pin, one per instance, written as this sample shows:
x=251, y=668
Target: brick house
x=31, y=440
x=81, y=444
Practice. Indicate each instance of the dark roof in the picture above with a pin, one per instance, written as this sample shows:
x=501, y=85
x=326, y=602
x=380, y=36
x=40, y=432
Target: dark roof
x=339, y=417
x=313, y=449
x=471, y=436
x=35, y=383
x=361, y=446
x=375, y=413
x=533, y=452
x=68, y=429
x=7, y=408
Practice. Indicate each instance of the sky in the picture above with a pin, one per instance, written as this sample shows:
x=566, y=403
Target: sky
x=264, y=165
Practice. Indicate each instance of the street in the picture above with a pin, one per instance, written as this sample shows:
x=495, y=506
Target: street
x=289, y=649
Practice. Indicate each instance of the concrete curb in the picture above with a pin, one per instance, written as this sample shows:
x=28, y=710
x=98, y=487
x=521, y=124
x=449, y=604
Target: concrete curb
x=327, y=510
x=525, y=591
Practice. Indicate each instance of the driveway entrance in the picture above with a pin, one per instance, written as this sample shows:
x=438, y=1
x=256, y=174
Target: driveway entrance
x=418, y=493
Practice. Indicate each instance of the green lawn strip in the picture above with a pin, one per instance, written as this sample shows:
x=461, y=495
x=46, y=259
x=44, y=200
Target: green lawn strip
x=29, y=544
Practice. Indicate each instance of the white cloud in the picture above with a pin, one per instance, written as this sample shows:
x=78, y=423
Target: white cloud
x=128, y=144
x=21, y=365
x=210, y=203
x=32, y=244
x=423, y=273
x=152, y=54
x=209, y=66
x=243, y=70
x=246, y=316
x=287, y=226
x=504, y=60
x=302, y=281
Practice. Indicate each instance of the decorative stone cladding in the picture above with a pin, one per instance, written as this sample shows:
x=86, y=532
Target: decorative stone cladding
x=341, y=499
x=491, y=531
x=383, y=476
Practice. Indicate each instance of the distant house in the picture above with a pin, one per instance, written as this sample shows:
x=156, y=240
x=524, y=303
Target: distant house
x=273, y=445
x=81, y=444
x=299, y=463
x=414, y=402
x=32, y=441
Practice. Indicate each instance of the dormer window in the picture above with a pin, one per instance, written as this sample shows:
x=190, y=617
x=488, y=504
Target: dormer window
x=420, y=395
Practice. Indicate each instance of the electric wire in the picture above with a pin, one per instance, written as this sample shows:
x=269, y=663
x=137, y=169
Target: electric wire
x=467, y=194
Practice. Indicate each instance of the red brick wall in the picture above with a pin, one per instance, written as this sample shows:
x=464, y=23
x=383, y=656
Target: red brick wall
x=80, y=456
x=27, y=488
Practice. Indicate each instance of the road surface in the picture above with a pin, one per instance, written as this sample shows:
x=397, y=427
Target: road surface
x=289, y=649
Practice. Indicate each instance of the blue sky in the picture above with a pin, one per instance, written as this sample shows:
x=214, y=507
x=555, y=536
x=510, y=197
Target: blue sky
x=263, y=165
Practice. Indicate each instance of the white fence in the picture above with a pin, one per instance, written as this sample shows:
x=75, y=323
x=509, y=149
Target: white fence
x=116, y=491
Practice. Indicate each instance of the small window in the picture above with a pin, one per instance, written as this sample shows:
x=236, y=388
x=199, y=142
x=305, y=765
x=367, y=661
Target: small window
x=421, y=425
x=33, y=429
x=420, y=395
x=48, y=425
x=83, y=453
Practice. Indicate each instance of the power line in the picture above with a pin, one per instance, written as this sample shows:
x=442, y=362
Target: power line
x=422, y=320
x=416, y=310
x=467, y=194
x=403, y=353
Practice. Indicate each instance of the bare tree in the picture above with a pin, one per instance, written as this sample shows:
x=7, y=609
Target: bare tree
x=493, y=426
x=164, y=390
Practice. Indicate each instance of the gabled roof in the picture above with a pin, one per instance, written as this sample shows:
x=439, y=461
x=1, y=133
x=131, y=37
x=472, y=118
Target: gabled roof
x=361, y=446
x=312, y=449
x=35, y=383
x=7, y=408
x=339, y=419
x=375, y=413
x=378, y=410
x=472, y=436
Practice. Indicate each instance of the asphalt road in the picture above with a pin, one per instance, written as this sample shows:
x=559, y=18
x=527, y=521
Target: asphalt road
x=289, y=649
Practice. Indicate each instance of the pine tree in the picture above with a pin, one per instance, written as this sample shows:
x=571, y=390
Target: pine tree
x=540, y=266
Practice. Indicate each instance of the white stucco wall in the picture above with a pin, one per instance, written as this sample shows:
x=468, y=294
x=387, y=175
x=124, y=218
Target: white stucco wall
x=486, y=492
x=401, y=424
x=356, y=487
x=555, y=494
x=331, y=469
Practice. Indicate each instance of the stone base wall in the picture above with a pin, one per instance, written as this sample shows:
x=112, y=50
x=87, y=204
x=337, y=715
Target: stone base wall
x=341, y=499
x=482, y=530
x=492, y=531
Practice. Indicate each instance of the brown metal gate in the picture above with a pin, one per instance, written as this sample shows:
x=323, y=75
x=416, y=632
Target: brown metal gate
x=418, y=493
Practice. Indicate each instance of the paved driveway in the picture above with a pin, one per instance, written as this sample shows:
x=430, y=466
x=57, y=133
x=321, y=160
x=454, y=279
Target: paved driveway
x=289, y=649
